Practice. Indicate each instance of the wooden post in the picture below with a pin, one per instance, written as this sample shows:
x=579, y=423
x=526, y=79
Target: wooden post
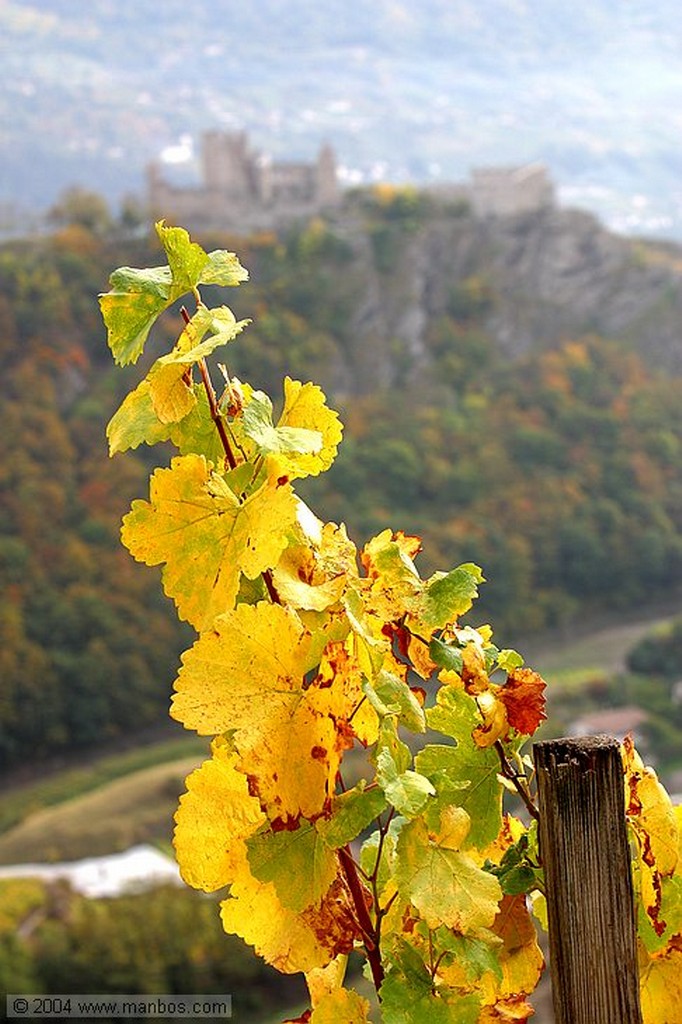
x=590, y=903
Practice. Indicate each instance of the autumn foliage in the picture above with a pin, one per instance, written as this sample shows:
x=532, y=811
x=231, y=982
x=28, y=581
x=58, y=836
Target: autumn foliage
x=363, y=736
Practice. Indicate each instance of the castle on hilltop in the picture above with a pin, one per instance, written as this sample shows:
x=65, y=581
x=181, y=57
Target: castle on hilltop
x=243, y=189
x=509, y=191
x=502, y=191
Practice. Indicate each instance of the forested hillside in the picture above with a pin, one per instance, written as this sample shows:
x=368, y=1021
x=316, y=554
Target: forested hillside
x=485, y=409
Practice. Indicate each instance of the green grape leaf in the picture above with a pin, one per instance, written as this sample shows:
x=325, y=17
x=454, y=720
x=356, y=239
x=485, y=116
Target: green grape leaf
x=351, y=812
x=196, y=526
x=407, y=791
x=186, y=259
x=439, y=762
x=455, y=714
x=257, y=424
x=389, y=740
x=369, y=852
x=476, y=956
x=406, y=1000
x=393, y=691
x=223, y=268
x=508, y=660
x=196, y=434
x=446, y=597
x=670, y=913
x=138, y=297
x=299, y=863
x=129, y=309
x=135, y=422
x=446, y=656
x=465, y=776
x=446, y=886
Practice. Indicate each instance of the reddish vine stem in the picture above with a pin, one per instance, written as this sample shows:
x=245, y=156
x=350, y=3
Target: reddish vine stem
x=270, y=587
x=213, y=404
x=513, y=776
x=362, y=913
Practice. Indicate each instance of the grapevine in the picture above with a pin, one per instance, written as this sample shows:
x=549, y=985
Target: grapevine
x=363, y=738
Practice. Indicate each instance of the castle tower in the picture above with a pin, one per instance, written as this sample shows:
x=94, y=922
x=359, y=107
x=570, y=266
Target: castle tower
x=326, y=181
x=227, y=164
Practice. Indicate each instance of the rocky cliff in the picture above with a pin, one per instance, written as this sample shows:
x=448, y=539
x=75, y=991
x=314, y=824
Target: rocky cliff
x=529, y=282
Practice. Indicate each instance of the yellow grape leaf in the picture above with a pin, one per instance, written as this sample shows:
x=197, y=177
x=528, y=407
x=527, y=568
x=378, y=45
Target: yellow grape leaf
x=299, y=584
x=313, y=575
x=515, y=1010
x=214, y=817
x=474, y=674
x=342, y=669
x=495, y=725
x=371, y=646
x=511, y=830
x=520, y=958
x=393, y=585
x=322, y=981
x=196, y=526
x=344, y=1006
x=247, y=675
x=652, y=818
x=293, y=762
x=289, y=941
x=421, y=660
x=170, y=391
x=650, y=809
x=135, y=422
x=661, y=988
x=305, y=408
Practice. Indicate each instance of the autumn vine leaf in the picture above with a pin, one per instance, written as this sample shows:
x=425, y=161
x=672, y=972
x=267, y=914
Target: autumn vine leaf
x=362, y=734
x=206, y=536
x=138, y=297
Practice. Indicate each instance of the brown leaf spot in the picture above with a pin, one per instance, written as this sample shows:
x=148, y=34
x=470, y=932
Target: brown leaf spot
x=332, y=921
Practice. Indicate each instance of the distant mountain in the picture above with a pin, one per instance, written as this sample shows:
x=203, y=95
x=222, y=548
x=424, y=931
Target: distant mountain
x=90, y=93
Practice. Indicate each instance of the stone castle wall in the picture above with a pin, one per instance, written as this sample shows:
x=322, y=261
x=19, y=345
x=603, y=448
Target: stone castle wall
x=243, y=190
x=506, y=191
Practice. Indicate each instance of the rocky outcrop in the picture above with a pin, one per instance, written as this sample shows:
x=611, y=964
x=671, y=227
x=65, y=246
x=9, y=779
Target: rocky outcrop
x=550, y=275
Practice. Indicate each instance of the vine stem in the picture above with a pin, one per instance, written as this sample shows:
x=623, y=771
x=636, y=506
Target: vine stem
x=213, y=404
x=515, y=779
x=362, y=913
x=227, y=447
